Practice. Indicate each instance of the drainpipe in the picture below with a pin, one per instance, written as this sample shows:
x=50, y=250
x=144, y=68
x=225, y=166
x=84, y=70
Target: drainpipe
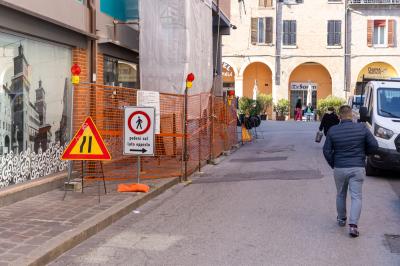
x=93, y=43
x=347, y=47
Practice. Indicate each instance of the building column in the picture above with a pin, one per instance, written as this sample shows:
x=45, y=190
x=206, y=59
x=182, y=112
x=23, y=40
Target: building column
x=239, y=86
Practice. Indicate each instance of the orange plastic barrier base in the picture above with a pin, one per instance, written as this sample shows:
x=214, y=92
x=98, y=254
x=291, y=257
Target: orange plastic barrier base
x=133, y=188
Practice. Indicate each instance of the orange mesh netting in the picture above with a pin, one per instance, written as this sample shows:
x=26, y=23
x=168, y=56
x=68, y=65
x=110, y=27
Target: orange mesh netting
x=211, y=129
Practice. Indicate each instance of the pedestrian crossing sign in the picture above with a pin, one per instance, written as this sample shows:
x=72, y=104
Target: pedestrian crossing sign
x=87, y=144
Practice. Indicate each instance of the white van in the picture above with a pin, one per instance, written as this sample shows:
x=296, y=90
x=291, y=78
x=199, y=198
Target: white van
x=381, y=113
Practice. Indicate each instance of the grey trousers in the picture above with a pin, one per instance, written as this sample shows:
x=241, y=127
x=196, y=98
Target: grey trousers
x=352, y=179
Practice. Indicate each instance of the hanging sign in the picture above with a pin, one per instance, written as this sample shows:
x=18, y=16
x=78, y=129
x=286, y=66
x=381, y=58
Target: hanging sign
x=87, y=144
x=139, y=131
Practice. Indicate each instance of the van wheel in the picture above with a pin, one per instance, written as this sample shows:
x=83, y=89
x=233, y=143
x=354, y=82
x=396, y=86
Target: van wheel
x=370, y=170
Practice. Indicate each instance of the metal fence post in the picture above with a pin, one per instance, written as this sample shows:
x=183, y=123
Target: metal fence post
x=211, y=127
x=185, y=148
x=200, y=130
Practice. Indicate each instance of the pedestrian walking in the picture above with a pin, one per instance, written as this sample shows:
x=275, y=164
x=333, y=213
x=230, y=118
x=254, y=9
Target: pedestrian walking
x=329, y=119
x=298, y=111
x=345, y=150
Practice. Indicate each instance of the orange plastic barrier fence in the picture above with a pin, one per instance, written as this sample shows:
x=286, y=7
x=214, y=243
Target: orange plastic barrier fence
x=211, y=129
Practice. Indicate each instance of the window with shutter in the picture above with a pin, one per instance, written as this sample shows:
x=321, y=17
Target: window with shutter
x=285, y=38
x=334, y=33
x=292, y=32
x=338, y=32
x=370, y=32
x=268, y=30
x=265, y=3
x=289, y=32
x=261, y=30
x=391, y=33
x=254, y=27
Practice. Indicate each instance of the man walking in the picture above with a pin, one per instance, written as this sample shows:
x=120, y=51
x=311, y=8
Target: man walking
x=345, y=150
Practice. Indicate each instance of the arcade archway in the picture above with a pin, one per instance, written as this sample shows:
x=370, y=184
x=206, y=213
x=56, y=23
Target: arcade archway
x=257, y=74
x=302, y=77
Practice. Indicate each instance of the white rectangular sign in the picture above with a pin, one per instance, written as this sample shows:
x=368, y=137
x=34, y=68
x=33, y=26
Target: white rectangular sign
x=150, y=99
x=139, y=131
x=302, y=86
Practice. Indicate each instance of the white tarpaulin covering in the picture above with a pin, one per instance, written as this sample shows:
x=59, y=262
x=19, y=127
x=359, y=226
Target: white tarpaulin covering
x=175, y=39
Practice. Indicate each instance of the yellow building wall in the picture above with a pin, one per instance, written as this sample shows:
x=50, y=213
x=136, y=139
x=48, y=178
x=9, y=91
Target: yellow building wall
x=260, y=72
x=314, y=73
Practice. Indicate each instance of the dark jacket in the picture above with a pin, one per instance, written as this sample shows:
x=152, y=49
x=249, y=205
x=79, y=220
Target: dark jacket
x=328, y=120
x=347, y=144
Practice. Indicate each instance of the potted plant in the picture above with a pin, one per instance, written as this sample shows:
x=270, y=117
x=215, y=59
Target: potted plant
x=330, y=101
x=281, y=108
x=265, y=102
x=247, y=108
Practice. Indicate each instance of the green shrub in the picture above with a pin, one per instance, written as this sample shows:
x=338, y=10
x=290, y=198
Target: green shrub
x=330, y=101
x=282, y=107
x=249, y=106
x=265, y=101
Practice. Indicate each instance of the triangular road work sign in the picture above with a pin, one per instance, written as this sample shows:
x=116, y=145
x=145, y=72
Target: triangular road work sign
x=87, y=144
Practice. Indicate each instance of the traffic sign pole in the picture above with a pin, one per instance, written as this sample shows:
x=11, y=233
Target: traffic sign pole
x=139, y=140
x=70, y=163
x=138, y=169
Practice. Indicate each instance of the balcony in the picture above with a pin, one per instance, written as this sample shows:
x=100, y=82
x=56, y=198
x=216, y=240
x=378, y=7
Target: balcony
x=374, y=2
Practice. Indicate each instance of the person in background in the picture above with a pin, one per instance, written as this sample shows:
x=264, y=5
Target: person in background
x=309, y=112
x=346, y=147
x=328, y=120
x=298, y=111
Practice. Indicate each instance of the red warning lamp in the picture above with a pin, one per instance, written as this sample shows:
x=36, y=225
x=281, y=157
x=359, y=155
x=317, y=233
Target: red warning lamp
x=190, y=77
x=231, y=93
x=189, y=80
x=75, y=70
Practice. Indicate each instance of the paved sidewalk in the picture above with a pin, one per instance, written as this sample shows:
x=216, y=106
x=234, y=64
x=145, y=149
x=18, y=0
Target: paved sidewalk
x=37, y=229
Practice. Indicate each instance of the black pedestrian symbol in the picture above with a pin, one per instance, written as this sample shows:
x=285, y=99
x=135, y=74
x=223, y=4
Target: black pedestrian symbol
x=139, y=122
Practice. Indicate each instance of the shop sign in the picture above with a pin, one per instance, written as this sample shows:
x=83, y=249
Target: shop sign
x=228, y=75
x=377, y=71
x=302, y=86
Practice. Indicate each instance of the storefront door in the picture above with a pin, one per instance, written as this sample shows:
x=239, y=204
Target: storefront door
x=302, y=94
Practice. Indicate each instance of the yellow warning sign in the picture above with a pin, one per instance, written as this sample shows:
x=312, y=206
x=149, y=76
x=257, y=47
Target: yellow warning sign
x=87, y=144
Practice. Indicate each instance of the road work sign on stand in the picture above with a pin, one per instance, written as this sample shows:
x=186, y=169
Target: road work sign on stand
x=139, y=131
x=87, y=144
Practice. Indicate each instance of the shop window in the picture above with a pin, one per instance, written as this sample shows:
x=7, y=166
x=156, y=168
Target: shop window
x=289, y=32
x=119, y=73
x=28, y=69
x=261, y=30
x=334, y=32
x=381, y=33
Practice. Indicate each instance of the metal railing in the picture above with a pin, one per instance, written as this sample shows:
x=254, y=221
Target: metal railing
x=374, y=2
